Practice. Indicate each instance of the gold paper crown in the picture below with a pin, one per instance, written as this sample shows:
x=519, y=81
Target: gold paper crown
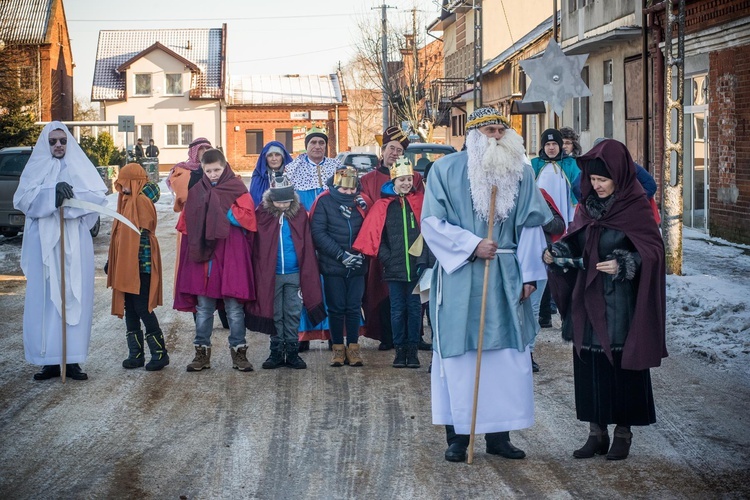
x=346, y=178
x=401, y=167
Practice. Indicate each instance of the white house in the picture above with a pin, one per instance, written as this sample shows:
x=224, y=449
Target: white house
x=171, y=80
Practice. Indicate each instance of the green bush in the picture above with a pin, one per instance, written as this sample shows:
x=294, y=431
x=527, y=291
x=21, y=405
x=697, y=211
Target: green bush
x=100, y=150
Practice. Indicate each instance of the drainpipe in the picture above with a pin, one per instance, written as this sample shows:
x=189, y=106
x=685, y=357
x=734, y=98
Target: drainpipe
x=336, y=108
x=644, y=59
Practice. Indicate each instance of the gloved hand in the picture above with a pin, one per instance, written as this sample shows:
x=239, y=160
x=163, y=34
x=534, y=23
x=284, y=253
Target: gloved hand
x=352, y=261
x=345, y=211
x=63, y=191
x=361, y=202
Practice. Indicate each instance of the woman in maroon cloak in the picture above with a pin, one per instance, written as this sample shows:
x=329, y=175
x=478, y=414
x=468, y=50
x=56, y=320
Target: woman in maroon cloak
x=608, y=279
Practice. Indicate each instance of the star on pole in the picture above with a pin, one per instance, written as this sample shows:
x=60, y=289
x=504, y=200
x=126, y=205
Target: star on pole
x=555, y=77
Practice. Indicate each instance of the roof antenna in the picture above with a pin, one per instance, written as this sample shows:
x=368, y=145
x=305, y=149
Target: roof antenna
x=188, y=45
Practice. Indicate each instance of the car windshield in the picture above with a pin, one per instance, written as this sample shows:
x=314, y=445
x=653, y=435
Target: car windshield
x=420, y=155
x=13, y=163
x=365, y=162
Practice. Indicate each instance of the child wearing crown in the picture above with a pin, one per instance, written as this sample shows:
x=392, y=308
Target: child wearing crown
x=390, y=230
x=284, y=261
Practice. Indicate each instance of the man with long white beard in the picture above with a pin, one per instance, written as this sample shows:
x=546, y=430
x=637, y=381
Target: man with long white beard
x=455, y=218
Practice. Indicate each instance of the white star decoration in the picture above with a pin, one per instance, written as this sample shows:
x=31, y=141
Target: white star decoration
x=555, y=77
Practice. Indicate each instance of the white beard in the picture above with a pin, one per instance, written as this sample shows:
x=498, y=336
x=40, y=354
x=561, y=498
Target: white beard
x=495, y=163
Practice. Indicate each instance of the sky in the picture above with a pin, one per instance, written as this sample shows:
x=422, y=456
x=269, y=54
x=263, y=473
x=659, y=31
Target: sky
x=263, y=37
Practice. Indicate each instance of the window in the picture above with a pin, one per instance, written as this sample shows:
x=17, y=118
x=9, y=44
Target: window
x=179, y=135
x=458, y=124
x=608, y=119
x=581, y=106
x=173, y=84
x=143, y=84
x=607, y=72
x=146, y=132
x=253, y=142
x=285, y=138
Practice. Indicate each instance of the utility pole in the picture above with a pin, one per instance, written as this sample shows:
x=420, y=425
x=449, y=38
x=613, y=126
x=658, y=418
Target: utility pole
x=673, y=151
x=384, y=55
x=477, y=8
x=551, y=118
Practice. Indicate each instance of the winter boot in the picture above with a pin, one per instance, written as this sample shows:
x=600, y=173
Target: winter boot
x=304, y=346
x=457, y=445
x=620, y=443
x=400, y=360
x=239, y=358
x=135, y=357
x=339, y=355
x=158, y=348
x=498, y=443
x=201, y=360
x=597, y=443
x=354, y=355
x=412, y=358
x=74, y=371
x=276, y=358
x=292, y=357
x=48, y=372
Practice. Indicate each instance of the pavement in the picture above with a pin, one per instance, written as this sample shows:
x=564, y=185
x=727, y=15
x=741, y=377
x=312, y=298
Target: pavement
x=330, y=432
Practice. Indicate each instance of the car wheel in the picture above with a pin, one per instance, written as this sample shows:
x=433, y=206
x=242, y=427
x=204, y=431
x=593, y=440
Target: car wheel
x=95, y=228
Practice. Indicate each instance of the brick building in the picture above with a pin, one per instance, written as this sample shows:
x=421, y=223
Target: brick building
x=716, y=178
x=34, y=33
x=283, y=108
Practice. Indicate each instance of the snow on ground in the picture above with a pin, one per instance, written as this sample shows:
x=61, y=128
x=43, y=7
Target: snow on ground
x=708, y=307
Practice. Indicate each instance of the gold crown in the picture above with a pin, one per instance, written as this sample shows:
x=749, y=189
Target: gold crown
x=346, y=178
x=401, y=167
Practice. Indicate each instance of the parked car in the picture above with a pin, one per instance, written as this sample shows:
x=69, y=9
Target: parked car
x=12, y=163
x=422, y=153
x=363, y=162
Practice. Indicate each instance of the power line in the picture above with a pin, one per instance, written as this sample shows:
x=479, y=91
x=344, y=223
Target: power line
x=265, y=18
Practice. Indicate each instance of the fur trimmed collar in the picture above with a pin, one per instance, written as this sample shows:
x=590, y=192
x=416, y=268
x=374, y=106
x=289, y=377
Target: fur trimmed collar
x=290, y=212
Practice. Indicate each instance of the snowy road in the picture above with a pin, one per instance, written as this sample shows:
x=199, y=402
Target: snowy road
x=363, y=432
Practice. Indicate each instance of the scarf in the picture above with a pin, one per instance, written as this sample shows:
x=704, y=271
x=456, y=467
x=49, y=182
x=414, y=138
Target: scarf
x=260, y=182
x=206, y=213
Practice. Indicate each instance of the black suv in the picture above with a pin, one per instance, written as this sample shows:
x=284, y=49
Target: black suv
x=12, y=163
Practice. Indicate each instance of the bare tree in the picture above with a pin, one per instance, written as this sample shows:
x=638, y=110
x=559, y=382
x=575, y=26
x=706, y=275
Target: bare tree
x=405, y=78
x=365, y=112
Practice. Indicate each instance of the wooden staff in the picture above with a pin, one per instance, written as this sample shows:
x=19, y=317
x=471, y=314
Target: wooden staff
x=62, y=293
x=482, y=314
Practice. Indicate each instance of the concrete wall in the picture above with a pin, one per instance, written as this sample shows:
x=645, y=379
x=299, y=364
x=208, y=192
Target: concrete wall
x=504, y=26
x=596, y=17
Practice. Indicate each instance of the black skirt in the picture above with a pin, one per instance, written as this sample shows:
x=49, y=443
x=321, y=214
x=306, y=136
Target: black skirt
x=607, y=394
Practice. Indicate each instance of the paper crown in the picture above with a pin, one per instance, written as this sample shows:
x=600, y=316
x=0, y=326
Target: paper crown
x=281, y=188
x=486, y=116
x=401, y=167
x=346, y=178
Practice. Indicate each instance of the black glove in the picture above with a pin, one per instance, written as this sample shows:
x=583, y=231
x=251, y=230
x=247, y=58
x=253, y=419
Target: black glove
x=106, y=267
x=63, y=191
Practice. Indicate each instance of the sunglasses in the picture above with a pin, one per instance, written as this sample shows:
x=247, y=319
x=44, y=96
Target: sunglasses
x=62, y=141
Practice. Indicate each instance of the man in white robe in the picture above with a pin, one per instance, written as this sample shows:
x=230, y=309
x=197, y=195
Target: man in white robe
x=57, y=169
x=455, y=219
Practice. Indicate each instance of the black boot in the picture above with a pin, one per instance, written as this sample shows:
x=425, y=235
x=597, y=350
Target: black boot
x=304, y=346
x=620, y=443
x=48, y=372
x=457, y=444
x=412, y=358
x=424, y=346
x=292, y=357
x=597, y=443
x=158, y=348
x=135, y=348
x=400, y=360
x=498, y=443
x=276, y=358
x=74, y=371
x=534, y=364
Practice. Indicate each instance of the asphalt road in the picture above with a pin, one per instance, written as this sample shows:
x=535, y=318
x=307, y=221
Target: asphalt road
x=330, y=432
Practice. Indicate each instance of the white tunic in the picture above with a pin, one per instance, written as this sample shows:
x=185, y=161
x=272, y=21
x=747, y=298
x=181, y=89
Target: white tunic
x=40, y=253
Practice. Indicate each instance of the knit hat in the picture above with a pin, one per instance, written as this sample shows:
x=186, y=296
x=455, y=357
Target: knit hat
x=552, y=134
x=486, y=116
x=316, y=132
x=346, y=178
x=281, y=189
x=598, y=167
x=275, y=149
x=393, y=133
x=402, y=166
